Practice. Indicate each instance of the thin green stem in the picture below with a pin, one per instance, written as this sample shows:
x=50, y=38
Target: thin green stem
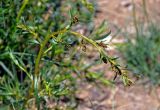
x=87, y=39
x=101, y=50
x=25, y=2
x=41, y=51
x=35, y=82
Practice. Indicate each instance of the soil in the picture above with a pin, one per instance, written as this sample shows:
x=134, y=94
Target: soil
x=139, y=96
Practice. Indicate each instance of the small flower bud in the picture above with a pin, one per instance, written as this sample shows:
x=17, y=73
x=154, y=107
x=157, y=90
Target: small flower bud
x=75, y=19
x=104, y=59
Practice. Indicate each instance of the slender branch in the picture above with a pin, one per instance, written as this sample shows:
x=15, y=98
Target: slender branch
x=42, y=46
x=145, y=10
x=25, y=2
x=134, y=18
x=88, y=40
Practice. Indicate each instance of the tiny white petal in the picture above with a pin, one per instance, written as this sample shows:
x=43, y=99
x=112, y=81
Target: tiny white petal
x=106, y=40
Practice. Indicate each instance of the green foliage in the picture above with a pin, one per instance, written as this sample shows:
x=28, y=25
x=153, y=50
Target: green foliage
x=142, y=54
x=39, y=57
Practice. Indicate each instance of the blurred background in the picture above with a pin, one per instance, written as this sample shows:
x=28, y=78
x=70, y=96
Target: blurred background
x=71, y=75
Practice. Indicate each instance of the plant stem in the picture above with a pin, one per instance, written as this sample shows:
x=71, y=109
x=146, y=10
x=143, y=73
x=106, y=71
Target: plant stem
x=134, y=18
x=87, y=39
x=25, y=2
x=101, y=50
x=35, y=83
x=145, y=10
x=41, y=51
